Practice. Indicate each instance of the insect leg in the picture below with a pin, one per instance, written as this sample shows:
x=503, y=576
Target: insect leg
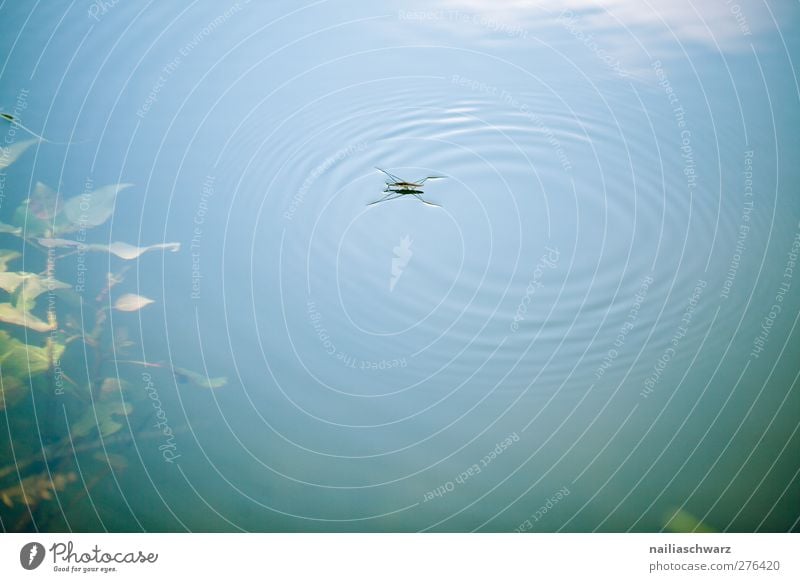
x=392, y=176
x=385, y=199
x=421, y=199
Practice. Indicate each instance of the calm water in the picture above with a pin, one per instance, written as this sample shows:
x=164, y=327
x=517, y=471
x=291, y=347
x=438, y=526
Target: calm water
x=596, y=330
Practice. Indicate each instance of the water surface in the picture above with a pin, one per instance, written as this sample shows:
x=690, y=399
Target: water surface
x=584, y=337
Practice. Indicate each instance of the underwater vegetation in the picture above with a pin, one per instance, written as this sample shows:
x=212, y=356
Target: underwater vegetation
x=681, y=521
x=69, y=418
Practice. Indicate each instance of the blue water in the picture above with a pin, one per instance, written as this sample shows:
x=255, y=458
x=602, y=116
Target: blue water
x=582, y=337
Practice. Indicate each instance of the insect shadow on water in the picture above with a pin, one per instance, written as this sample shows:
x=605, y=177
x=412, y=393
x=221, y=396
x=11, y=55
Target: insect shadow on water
x=397, y=187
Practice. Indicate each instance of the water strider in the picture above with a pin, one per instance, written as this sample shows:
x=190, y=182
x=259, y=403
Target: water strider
x=396, y=187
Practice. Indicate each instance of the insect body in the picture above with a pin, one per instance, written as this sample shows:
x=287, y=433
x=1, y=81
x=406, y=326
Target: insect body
x=396, y=187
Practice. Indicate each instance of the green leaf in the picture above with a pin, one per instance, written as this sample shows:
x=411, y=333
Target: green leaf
x=6, y=256
x=111, y=386
x=28, y=286
x=92, y=208
x=114, y=460
x=12, y=390
x=130, y=252
x=32, y=286
x=28, y=223
x=59, y=243
x=10, y=314
x=131, y=302
x=121, y=249
x=37, y=488
x=44, y=202
x=10, y=281
x=25, y=288
x=9, y=229
x=681, y=521
x=182, y=375
x=39, y=214
x=17, y=358
x=103, y=417
x=9, y=154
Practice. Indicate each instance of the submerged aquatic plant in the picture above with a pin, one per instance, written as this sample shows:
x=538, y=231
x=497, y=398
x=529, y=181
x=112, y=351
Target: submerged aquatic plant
x=61, y=387
x=182, y=375
x=681, y=521
x=31, y=490
x=103, y=417
x=131, y=302
x=120, y=249
x=10, y=153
